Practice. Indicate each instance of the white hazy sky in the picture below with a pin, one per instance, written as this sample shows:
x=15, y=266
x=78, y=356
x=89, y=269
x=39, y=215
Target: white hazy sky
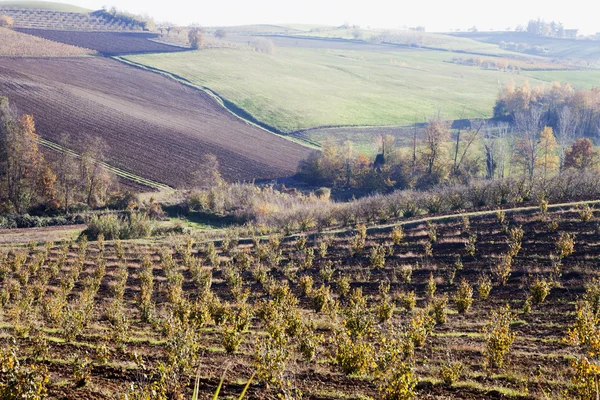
x=438, y=15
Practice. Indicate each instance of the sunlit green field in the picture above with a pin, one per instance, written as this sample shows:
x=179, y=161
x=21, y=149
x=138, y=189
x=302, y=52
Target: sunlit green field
x=300, y=88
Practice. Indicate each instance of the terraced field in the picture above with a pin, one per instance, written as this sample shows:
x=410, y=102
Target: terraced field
x=154, y=127
x=198, y=307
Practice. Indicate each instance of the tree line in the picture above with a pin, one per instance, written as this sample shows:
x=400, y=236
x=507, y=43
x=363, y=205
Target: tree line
x=538, y=132
x=29, y=182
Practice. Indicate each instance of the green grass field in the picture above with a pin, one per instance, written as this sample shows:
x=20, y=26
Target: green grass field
x=425, y=39
x=45, y=5
x=301, y=88
x=588, y=50
x=579, y=79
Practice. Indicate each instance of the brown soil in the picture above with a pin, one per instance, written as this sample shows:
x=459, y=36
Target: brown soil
x=153, y=126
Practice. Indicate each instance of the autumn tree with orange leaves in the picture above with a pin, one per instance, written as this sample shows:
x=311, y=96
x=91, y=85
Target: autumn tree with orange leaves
x=581, y=155
x=25, y=176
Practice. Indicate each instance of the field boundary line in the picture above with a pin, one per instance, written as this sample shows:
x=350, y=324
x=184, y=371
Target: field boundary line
x=388, y=227
x=117, y=171
x=227, y=105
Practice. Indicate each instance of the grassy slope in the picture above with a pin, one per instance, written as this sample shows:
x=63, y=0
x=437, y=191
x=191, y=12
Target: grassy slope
x=579, y=79
x=302, y=88
x=426, y=39
x=45, y=5
x=563, y=48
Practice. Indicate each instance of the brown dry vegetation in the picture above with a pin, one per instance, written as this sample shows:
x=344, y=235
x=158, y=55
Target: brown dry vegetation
x=14, y=43
x=538, y=364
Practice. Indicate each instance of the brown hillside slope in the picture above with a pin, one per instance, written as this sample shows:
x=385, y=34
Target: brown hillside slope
x=153, y=126
x=14, y=43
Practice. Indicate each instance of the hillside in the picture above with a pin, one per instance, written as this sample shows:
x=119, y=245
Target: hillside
x=428, y=296
x=106, y=43
x=25, y=17
x=44, y=5
x=310, y=83
x=14, y=43
x=409, y=38
x=573, y=49
x=154, y=127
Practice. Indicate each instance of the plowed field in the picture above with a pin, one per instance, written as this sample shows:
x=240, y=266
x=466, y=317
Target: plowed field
x=107, y=43
x=153, y=126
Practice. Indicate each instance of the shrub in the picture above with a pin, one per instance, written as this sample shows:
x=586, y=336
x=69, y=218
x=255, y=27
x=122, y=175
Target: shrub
x=439, y=309
x=20, y=381
x=326, y=272
x=306, y=283
x=586, y=213
x=515, y=240
x=309, y=342
x=484, y=287
x=111, y=226
x=498, y=337
x=322, y=300
x=470, y=245
x=450, y=372
x=397, y=235
x=408, y=300
x=351, y=355
x=406, y=273
x=385, y=309
x=565, y=245
x=420, y=326
x=377, y=259
x=232, y=339
x=463, y=297
x=6, y=21
x=503, y=269
x=430, y=287
x=343, y=286
x=399, y=382
x=431, y=232
x=539, y=289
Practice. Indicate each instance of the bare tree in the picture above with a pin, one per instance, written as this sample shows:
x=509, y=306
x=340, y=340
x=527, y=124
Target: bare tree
x=67, y=177
x=435, y=135
x=529, y=125
x=95, y=179
x=196, y=37
x=495, y=145
x=565, y=135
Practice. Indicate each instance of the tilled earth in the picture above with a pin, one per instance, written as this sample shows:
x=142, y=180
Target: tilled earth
x=153, y=126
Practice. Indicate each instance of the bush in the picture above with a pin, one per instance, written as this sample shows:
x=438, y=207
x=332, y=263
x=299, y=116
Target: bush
x=399, y=382
x=353, y=356
x=450, y=372
x=6, y=21
x=464, y=297
x=539, y=290
x=112, y=227
x=565, y=245
x=498, y=337
x=19, y=381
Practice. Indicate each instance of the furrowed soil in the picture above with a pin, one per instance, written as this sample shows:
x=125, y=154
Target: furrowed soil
x=107, y=43
x=538, y=365
x=153, y=126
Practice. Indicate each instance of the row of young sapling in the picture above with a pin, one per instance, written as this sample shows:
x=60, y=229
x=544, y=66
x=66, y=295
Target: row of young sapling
x=284, y=306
